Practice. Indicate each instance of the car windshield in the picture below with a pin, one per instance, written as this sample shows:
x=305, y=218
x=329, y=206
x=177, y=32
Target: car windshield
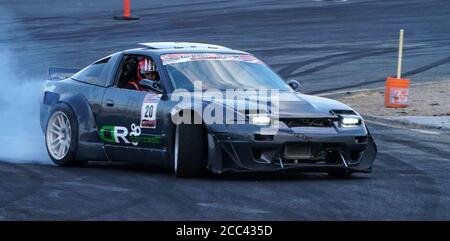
x=220, y=71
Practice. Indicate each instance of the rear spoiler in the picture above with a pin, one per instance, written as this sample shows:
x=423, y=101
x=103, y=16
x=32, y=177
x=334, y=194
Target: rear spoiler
x=57, y=73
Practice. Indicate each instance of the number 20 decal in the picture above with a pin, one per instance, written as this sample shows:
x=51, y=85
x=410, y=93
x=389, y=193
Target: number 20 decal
x=148, y=111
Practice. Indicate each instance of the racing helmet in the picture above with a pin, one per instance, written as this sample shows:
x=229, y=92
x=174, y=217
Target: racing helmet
x=146, y=66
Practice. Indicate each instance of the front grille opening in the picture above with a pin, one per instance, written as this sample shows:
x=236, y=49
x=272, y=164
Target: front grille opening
x=299, y=151
x=309, y=122
x=294, y=153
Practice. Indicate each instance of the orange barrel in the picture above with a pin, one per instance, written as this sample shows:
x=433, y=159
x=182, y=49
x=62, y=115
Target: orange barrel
x=396, y=93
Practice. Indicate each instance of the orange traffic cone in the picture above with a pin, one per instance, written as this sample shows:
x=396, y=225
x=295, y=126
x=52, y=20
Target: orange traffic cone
x=126, y=12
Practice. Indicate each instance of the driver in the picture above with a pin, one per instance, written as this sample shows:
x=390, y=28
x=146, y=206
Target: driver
x=146, y=69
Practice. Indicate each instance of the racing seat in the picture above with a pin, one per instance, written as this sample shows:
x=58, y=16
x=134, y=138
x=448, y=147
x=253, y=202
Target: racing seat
x=128, y=74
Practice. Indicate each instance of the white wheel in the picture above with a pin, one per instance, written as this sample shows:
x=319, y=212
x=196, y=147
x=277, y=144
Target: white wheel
x=58, y=136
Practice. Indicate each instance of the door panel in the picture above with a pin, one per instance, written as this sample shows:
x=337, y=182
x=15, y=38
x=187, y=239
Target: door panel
x=129, y=126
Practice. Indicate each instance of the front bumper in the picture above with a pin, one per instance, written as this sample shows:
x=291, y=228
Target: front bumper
x=310, y=152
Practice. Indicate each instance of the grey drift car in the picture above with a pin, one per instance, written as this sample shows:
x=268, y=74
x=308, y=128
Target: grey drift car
x=93, y=115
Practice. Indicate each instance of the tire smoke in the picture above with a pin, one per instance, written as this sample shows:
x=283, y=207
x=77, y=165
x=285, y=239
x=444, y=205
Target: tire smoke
x=21, y=138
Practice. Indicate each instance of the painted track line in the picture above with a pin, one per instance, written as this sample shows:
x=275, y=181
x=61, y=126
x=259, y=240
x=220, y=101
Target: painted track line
x=402, y=127
x=353, y=91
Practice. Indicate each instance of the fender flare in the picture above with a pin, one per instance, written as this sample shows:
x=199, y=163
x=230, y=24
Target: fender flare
x=87, y=126
x=90, y=146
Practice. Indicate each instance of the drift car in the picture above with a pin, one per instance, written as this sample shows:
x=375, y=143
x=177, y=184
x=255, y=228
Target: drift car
x=91, y=115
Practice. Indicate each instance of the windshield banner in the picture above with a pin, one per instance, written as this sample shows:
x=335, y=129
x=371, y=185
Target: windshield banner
x=187, y=57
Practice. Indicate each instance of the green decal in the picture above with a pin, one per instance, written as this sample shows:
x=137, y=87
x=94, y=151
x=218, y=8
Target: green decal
x=136, y=139
x=152, y=139
x=108, y=131
x=113, y=134
x=146, y=139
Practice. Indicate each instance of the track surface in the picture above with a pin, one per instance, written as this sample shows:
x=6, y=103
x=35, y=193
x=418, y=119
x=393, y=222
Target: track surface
x=410, y=181
x=326, y=44
x=329, y=45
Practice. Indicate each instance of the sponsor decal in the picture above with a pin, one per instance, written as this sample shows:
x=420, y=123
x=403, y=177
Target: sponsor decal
x=121, y=135
x=148, y=110
x=135, y=132
x=399, y=95
x=154, y=139
x=181, y=58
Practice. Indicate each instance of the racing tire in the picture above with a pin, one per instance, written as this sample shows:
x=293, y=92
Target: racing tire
x=61, y=137
x=189, y=149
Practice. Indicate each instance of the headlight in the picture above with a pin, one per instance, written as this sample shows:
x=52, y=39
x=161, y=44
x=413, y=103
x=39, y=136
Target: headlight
x=350, y=121
x=260, y=120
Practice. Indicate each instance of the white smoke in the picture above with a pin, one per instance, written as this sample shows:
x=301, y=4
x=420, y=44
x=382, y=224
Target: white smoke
x=21, y=138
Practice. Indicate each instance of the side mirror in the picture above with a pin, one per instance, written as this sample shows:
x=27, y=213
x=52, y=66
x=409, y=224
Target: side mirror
x=294, y=84
x=152, y=85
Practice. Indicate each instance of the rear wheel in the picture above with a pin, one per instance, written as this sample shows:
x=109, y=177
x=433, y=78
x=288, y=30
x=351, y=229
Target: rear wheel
x=189, y=149
x=61, y=137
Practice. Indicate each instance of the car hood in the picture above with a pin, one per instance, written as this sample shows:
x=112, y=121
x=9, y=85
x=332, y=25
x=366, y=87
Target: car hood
x=309, y=105
x=289, y=104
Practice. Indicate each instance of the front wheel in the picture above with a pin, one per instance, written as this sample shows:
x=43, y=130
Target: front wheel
x=61, y=137
x=189, y=150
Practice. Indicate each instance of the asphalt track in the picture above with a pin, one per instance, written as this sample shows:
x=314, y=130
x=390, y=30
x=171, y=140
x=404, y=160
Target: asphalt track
x=328, y=45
